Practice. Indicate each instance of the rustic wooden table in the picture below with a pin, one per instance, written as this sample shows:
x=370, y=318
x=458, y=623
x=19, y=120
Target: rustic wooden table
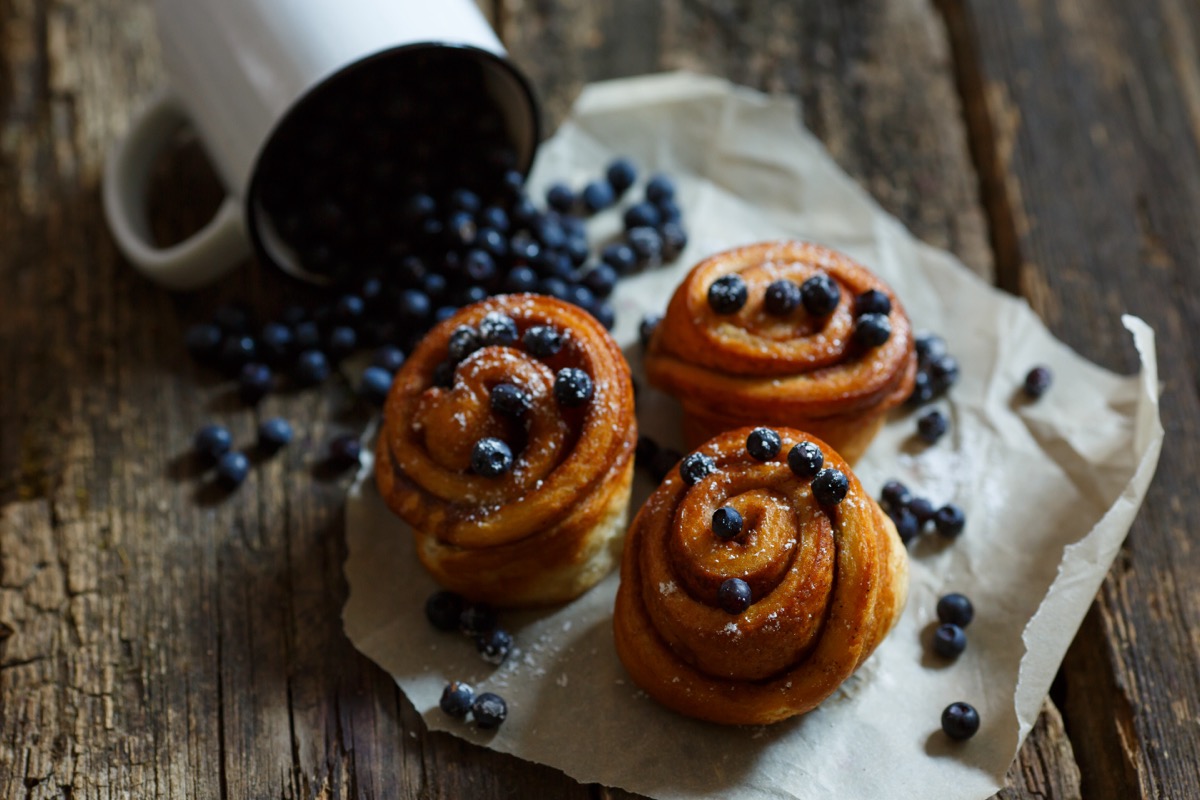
x=155, y=643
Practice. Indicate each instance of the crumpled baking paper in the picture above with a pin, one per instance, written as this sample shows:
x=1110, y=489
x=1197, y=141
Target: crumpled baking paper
x=1050, y=489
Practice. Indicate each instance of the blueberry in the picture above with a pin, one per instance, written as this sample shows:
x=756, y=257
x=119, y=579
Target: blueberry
x=513, y=183
x=494, y=645
x=930, y=347
x=604, y=313
x=907, y=526
x=960, y=721
x=275, y=342
x=805, y=460
x=955, y=609
x=580, y=295
x=601, y=280
x=922, y=391
x=550, y=233
x=464, y=340
x=781, y=298
x=646, y=328
x=498, y=330
x=444, y=313
x=620, y=257
x=491, y=457
x=1037, y=382
x=734, y=595
x=674, y=239
x=523, y=212
x=489, y=710
x=306, y=335
x=554, y=287
x=479, y=266
x=645, y=452
x=560, y=197
x=342, y=341
x=443, y=610
x=949, y=520
x=203, y=341
x=491, y=242
x=872, y=330
x=236, y=351
x=660, y=189
x=460, y=228
x=510, y=400
x=232, y=319
x=572, y=387
x=411, y=271
x=872, y=301
x=476, y=618
x=763, y=444
x=576, y=250
x=598, y=195
x=943, y=373
x=543, y=341
x=457, y=698
x=465, y=200
x=232, y=469
x=311, y=368
x=274, y=433
x=350, y=308
x=520, y=279
x=471, y=295
x=949, y=640
x=726, y=522
x=662, y=463
x=621, y=174
x=647, y=244
x=414, y=308
x=345, y=450
x=830, y=487
x=642, y=215
x=727, y=294
x=212, y=441
x=932, y=426
x=696, y=467
x=374, y=385
x=388, y=358
x=922, y=509
x=495, y=218
x=896, y=495
x=820, y=295
x=254, y=382
x=418, y=207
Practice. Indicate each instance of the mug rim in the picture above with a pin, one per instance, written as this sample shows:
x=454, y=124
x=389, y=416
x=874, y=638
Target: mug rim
x=250, y=211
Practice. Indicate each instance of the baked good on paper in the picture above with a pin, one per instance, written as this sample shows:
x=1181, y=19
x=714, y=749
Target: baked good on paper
x=507, y=445
x=784, y=333
x=756, y=579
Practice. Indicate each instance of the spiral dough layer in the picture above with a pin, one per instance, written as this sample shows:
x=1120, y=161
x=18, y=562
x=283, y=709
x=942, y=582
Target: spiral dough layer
x=826, y=584
x=751, y=366
x=547, y=524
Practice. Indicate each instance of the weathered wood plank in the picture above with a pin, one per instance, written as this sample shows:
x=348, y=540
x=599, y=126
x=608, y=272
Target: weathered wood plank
x=1093, y=106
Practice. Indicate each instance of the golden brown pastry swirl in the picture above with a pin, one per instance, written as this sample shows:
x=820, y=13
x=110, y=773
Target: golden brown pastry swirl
x=826, y=585
x=755, y=367
x=548, y=527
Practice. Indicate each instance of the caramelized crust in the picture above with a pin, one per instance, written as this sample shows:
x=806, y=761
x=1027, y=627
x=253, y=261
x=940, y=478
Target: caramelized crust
x=753, y=368
x=827, y=586
x=549, y=528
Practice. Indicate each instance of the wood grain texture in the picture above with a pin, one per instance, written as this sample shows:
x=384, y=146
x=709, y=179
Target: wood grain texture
x=159, y=638
x=1093, y=105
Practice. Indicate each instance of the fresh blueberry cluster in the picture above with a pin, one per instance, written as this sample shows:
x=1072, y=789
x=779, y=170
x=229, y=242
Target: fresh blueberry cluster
x=955, y=613
x=937, y=370
x=459, y=699
x=449, y=611
x=912, y=514
x=213, y=444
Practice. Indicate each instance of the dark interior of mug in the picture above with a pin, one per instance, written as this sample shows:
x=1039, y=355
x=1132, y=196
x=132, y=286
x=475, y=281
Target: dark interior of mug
x=328, y=194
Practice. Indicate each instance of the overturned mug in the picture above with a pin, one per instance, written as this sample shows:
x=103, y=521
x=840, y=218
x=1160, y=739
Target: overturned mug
x=319, y=118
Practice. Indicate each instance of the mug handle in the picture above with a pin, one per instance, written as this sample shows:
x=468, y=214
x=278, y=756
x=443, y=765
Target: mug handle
x=210, y=252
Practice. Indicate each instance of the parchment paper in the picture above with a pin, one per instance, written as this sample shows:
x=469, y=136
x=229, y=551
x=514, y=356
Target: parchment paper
x=1049, y=489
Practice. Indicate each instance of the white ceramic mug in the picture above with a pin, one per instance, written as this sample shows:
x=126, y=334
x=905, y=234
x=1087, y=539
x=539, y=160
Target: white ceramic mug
x=238, y=70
